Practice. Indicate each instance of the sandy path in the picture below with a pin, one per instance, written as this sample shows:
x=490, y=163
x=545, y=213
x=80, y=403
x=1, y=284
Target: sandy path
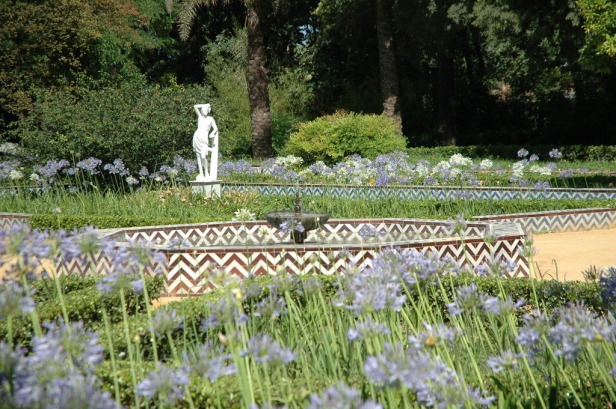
x=574, y=252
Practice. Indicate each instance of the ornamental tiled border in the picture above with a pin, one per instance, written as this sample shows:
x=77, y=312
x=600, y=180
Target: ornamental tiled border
x=187, y=268
x=422, y=192
x=559, y=220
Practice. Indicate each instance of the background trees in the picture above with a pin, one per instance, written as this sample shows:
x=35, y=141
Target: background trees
x=467, y=71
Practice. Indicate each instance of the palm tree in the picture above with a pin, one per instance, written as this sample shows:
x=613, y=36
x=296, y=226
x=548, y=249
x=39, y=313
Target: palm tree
x=258, y=90
x=390, y=88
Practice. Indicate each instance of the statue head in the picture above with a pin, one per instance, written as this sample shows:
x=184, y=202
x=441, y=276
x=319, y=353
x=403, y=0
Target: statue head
x=206, y=109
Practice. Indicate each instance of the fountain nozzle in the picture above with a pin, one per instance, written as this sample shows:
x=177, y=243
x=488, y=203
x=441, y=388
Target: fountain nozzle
x=298, y=203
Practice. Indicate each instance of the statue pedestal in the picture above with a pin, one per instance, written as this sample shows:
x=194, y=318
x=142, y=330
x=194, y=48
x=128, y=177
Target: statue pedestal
x=209, y=188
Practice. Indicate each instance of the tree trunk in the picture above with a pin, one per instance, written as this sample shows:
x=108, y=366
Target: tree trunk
x=390, y=88
x=446, y=115
x=258, y=91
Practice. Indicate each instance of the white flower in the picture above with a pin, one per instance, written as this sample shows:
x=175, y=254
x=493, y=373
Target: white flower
x=486, y=164
x=455, y=172
x=459, y=160
x=265, y=231
x=15, y=174
x=35, y=177
x=243, y=215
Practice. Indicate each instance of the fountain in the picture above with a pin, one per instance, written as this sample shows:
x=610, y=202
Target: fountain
x=297, y=222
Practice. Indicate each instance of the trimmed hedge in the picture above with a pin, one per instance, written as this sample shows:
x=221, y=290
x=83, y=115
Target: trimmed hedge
x=605, y=153
x=84, y=304
x=53, y=221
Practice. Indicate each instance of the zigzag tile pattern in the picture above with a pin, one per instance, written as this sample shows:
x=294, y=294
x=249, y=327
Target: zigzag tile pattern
x=7, y=221
x=561, y=220
x=189, y=268
x=424, y=192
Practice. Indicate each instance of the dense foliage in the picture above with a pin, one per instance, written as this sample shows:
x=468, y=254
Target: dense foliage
x=333, y=137
x=467, y=71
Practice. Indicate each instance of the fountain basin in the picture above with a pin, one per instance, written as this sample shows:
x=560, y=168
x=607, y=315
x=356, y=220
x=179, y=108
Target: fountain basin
x=309, y=220
x=254, y=248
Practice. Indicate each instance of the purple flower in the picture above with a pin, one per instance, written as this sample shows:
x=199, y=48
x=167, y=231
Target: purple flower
x=143, y=172
x=577, y=327
x=271, y=306
x=340, y=396
x=372, y=289
x=535, y=326
x=90, y=164
x=497, y=267
x=467, y=299
x=116, y=168
x=292, y=225
x=522, y=153
x=367, y=329
x=502, y=307
x=225, y=311
x=434, y=382
x=434, y=335
x=166, y=320
x=607, y=283
x=555, y=154
x=368, y=231
x=542, y=185
x=241, y=167
x=533, y=158
x=13, y=300
x=457, y=226
x=167, y=384
x=264, y=349
x=567, y=173
x=209, y=361
x=507, y=360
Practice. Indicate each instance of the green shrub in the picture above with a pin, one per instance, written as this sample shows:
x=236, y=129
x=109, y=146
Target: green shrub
x=53, y=221
x=332, y=137
x=85, y=304
x=145, y=125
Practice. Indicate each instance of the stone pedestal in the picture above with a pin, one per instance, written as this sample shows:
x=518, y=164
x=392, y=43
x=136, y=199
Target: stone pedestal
x=210, y=188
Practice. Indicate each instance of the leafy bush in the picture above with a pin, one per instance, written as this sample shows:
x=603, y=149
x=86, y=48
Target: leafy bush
x=84, y=304
x=53, y=221
x=145, y=125
x=335, y=136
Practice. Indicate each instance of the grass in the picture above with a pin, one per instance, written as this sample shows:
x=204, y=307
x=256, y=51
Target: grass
x=180, y=203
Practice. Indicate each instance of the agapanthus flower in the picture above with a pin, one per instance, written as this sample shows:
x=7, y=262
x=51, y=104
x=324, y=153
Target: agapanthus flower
x=372, y=289
x=434, y=335
x=271, y=306
x=166, y=320
x=506, y=360
x=497, y=266
x=243, y=215
x=555, y=154
x=468, y=298
x=209, y=361
x=264, y=349
x=367, y=329
x=14, y=302
x=119, y=280
x=165, y=383
x=90, y=164
x=607, y=283
x=292, y=225
x=434, y=383
x=457, y=226
x=576, y=327
x=368, y=231
x=225, y=310
x=522, y=153
x=340, y=396
x=535, y=326
x=502, y=307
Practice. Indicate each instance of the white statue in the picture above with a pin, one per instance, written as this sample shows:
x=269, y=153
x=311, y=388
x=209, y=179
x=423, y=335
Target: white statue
x=206, y=130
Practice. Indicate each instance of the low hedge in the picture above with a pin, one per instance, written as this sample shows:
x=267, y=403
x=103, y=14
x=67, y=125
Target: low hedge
x=66, y=222
x=83, y=304
x=604, y=153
